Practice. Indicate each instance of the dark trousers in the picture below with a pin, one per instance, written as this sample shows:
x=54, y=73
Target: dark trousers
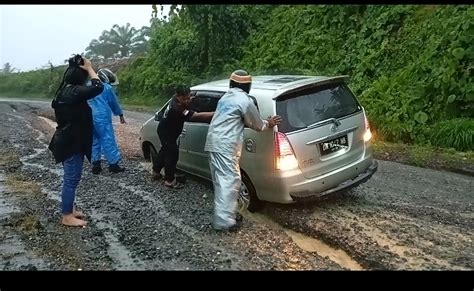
x=167, y=157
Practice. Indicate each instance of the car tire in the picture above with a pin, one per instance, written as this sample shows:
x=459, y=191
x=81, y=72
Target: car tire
x=248, y=199
x=153, y=154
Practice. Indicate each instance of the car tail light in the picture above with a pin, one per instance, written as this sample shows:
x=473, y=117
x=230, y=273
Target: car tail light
x=284, y=156
x=368, y=133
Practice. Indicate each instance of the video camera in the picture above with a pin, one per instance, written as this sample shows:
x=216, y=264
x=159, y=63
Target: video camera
x=76, y=61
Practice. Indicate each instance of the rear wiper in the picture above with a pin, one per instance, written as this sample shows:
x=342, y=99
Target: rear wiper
x=344, y=111
x=323, y=122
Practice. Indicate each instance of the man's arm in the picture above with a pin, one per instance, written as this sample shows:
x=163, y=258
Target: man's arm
x=89, y=92
x=97, y=87
x=113, y=102
x=253, y=120
x=205, y=117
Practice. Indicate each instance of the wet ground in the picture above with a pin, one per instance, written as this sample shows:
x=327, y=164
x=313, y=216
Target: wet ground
x=403, y=218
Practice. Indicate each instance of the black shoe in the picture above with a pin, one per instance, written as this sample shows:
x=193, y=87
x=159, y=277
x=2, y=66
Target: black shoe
x=96, y=168
x=239, y=217
x=115, y=168
x=235, y=227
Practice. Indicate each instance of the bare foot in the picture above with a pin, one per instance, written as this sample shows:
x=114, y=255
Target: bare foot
x=70, y=220
x=78, y=214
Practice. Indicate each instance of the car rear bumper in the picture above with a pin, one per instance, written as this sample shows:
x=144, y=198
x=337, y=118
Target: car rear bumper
x=361, y=178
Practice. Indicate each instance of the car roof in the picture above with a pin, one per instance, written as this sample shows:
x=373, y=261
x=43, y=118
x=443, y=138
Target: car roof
x=264, y=82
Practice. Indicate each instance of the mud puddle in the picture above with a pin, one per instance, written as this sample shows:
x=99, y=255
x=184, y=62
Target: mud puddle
x=308, y=244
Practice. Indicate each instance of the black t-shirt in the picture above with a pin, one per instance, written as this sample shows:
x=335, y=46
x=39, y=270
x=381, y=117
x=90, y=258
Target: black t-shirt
x=171, y=125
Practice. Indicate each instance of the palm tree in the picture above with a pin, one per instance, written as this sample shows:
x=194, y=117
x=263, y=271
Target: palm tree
x=120, y=41
x=140, y=41
x=102, y=47
x=7, y=68
x=122, y=37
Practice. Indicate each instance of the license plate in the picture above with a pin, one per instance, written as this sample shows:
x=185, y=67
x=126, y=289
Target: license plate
x=333, y=145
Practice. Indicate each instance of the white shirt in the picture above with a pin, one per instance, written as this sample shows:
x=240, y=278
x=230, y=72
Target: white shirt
x=226, y=131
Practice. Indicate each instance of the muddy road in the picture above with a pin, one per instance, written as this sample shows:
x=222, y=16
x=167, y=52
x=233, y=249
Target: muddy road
x=403, y=218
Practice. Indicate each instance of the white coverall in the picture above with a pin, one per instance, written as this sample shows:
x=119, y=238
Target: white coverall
x=224, y=143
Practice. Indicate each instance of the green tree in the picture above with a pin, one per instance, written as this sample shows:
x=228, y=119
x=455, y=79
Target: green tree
x=101, y=48
x=140, y=40
x=120, y=41
x=8, y=69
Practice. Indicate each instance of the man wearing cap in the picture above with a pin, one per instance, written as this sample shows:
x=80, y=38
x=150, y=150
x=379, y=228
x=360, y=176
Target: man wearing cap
x=224, y=140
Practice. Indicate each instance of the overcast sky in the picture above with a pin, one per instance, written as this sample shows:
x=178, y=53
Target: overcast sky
x=32, y=35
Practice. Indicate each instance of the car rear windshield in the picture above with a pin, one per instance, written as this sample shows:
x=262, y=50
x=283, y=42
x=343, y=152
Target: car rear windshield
x=305, y=107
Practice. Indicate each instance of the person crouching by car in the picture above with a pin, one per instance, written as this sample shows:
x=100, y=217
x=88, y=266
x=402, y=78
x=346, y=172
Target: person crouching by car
x=72, y=139
x=170, y=128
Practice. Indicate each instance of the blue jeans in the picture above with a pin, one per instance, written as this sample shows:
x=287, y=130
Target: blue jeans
x=72, y=175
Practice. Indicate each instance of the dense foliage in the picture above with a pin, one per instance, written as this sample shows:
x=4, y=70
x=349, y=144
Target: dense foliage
x=410, y=66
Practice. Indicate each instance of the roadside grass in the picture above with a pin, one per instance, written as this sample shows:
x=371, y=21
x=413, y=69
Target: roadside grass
x=426, y=156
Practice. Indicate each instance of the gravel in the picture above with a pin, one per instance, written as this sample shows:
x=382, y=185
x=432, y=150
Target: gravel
x=403, y=218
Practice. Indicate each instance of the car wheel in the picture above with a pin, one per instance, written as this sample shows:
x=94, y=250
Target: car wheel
x=153, y=154
x=248, y=199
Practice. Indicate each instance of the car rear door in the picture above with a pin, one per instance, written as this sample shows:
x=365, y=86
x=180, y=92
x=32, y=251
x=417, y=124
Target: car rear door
x=324, y=125
x=195, y=134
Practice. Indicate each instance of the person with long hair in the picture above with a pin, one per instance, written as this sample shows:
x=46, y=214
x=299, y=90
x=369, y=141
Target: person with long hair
x=72, y=139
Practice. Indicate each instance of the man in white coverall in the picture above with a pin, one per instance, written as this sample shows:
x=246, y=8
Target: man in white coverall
x=224, y=143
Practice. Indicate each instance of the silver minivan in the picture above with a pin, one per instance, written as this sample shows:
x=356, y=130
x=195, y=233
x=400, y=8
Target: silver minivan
x=321, y=147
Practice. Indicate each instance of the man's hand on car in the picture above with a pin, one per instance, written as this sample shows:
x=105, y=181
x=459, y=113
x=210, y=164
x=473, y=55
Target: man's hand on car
x=273, y=120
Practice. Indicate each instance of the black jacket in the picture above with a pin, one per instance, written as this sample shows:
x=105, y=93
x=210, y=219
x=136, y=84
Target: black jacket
x=74, y=117
x=172, y=123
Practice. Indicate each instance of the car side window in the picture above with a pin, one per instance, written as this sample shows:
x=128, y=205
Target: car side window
x=254, y=102
x=205, y=101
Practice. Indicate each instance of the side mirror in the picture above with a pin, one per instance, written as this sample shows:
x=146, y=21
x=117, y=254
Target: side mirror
x=157, y=116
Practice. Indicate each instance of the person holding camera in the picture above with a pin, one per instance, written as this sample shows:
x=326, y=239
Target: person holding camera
x=72, y=139
x=103, y=137
x=234, y=111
